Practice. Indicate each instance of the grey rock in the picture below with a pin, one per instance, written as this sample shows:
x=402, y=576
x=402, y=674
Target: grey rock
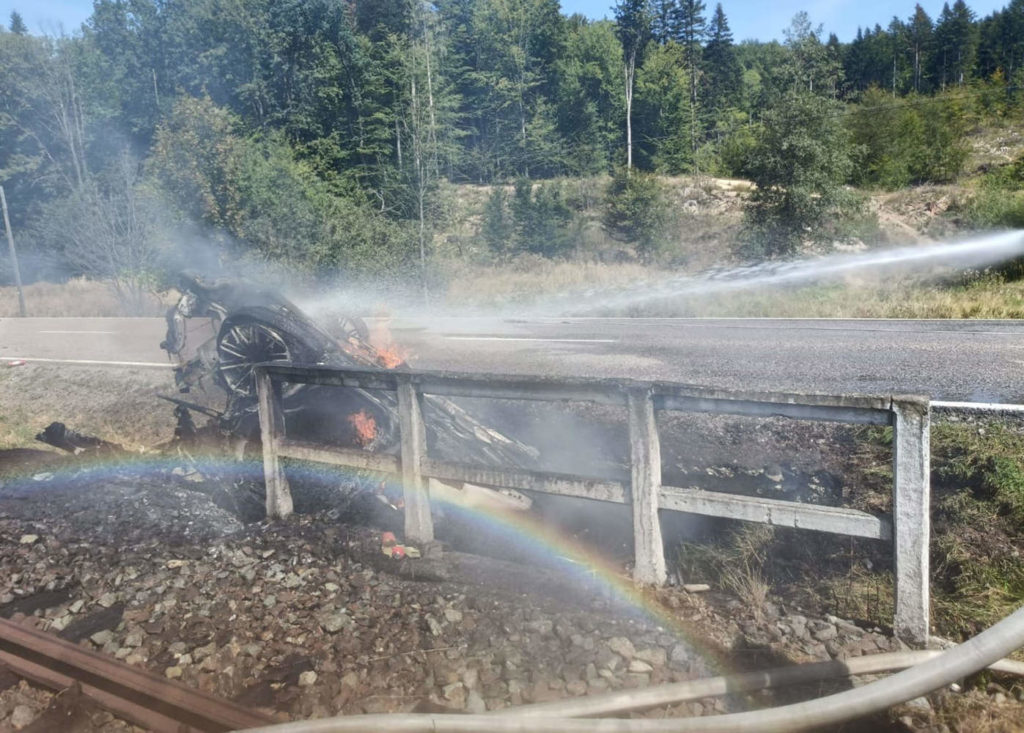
x=350, y=679
x=474, y=703
x=102, y=637
x=622, y=646
x=541, y=626
x=332, y=623
x=655, y=656
x=576, y=688
x=22, y=716
x=826, y=633
x=680, y=654
x=920, y=703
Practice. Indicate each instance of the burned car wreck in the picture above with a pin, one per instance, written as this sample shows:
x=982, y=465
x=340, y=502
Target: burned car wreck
x=220, y=329
x=245, y=325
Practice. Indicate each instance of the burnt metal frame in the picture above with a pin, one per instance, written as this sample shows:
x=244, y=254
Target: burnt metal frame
x=909, y=416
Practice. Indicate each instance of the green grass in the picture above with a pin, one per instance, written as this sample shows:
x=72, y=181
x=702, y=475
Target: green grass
x=984, y=465
x=977, y=538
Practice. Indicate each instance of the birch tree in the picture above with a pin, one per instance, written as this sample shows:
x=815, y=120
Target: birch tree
x=634, y=30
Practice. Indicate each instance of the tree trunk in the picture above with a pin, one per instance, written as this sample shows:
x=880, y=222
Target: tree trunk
x=398, y=144
x=693, y=110
x=630, y=72
x=417, y=152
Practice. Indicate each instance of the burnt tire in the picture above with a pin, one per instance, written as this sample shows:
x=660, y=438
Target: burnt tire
x=242, y=343
x=351, y=328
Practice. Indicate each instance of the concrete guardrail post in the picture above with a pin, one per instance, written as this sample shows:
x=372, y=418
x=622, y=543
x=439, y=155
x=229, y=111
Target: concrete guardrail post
x=911, y=523
x=645, y=460
x=419, y=525
x=279, y=495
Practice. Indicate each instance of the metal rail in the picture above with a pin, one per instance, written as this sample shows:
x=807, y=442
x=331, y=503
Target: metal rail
x=155, y=703
x=909, y=416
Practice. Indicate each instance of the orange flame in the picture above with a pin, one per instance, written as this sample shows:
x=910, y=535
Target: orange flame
x=365, y=427
x=389, y=354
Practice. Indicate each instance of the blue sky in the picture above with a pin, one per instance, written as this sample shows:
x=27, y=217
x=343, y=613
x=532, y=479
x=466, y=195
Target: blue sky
x=765, y=19
x=761, y=19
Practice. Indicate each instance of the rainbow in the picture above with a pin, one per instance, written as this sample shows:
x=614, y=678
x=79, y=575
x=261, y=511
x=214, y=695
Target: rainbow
x=575, y=561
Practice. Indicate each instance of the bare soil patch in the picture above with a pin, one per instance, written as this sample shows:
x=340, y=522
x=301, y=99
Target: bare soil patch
x=117, y=403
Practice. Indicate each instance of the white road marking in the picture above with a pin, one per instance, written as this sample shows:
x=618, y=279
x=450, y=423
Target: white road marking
x=76, y=332
x=989, y=406
x=89, y=361
x=523, y=338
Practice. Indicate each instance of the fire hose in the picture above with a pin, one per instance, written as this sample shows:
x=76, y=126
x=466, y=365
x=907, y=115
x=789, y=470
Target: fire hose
x=937, y=671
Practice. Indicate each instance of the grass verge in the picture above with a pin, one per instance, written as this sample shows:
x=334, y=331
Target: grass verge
x=531, y=281
x=977, y=539
x=77, y=297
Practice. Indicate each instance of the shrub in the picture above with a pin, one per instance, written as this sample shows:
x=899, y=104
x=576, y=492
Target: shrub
x=800, y=162
x=498, y=228
x=541, y=218
x=636, y=211
x=919, y=140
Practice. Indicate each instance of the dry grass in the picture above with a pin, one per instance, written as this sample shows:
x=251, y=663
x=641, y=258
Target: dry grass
x=117, y=404
x=532, y=280
x=974, y=711
x=907, y=299
x=745, y=581
x=77, y=297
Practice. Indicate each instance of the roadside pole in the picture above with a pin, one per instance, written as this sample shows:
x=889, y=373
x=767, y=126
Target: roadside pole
x=14, y=255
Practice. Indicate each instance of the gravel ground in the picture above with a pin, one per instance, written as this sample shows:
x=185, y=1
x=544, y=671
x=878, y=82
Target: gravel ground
x=307, y=618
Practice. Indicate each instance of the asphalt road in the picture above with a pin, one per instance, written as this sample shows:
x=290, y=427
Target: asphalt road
x=948, y=360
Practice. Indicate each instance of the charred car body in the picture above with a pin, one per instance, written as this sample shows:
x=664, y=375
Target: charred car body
x=238, y=325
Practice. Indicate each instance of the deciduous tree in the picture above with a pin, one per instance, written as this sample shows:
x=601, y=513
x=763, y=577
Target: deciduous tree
x=633, y=26
x=800, y=164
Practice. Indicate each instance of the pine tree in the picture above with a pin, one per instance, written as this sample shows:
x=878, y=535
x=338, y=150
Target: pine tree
x=590, y=97
x=1001, y=42
x=919, y=32
x=812, y=66
x=517, y=45
x=693, y=27
x=963, y=41
x=17, y=24
x=722, y=73
x=834, y=64
x=666, y=19
x=663, y=112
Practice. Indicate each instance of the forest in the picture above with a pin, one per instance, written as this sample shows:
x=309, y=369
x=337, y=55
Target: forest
x=324, y=133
